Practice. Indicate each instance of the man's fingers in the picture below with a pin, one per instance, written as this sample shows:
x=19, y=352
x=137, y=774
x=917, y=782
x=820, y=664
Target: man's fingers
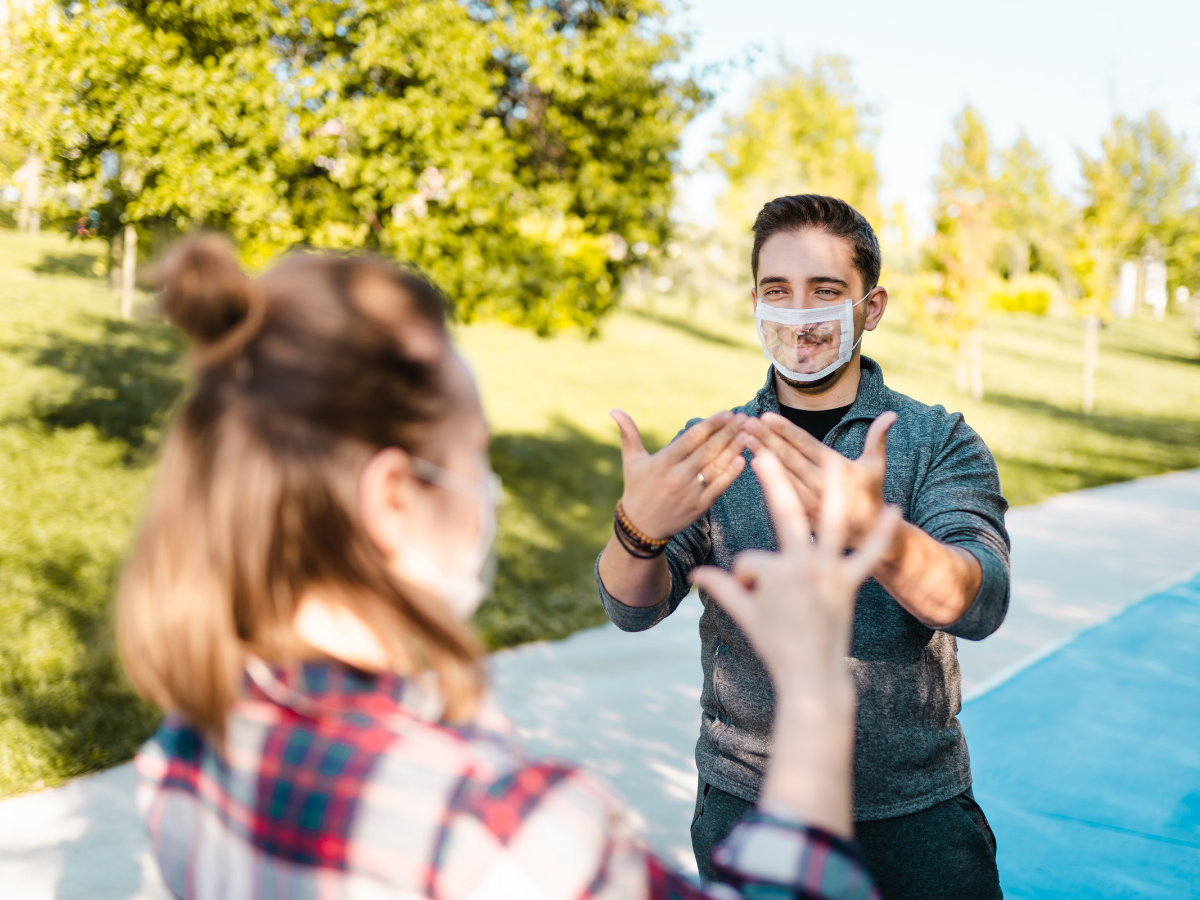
x=686, y=443
x=727, y=476
x=787, y=513
x=797, y=437
x=875, y=447
x=793, y=460
x=631, y=439
x=721, y=460
x=721, y=440
x=860, y=563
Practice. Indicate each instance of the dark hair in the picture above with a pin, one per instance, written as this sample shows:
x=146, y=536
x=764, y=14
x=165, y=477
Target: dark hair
x=299, y=378
x=830, y=214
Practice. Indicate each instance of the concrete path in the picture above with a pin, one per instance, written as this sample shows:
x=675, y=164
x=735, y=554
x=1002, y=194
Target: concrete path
x=627, y=704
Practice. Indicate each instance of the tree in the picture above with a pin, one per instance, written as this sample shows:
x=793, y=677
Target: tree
x=962, y=248
x=507, y=149
x=801, y=131
x=1032, y=218
x=1135, y=191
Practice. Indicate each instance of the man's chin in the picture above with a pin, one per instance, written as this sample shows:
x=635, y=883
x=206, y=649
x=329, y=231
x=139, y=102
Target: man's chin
x=806, y=386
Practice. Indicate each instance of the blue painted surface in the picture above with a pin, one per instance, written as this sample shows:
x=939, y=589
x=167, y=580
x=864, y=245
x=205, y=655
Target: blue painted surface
x=1088, y=762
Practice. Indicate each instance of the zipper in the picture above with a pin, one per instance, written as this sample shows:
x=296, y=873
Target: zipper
x=928, y=701
x=723, y=716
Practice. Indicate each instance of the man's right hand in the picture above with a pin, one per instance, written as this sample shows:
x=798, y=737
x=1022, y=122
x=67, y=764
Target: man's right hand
x=667, y=491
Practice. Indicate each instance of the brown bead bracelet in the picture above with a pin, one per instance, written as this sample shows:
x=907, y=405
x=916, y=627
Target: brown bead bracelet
x=635, y=541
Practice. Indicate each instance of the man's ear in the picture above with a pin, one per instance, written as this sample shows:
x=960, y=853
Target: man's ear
x=876, y=304
x=753, y=300
x=384, y=497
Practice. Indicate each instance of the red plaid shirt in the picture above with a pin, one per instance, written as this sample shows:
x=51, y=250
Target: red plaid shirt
x=332, y=786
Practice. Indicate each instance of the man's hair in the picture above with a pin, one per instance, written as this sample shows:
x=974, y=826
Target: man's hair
x=830, y=214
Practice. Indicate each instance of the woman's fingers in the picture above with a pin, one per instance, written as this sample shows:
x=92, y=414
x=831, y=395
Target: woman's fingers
x=730, y=594
x=832, y=526
x=787, y=512
x=860, y=563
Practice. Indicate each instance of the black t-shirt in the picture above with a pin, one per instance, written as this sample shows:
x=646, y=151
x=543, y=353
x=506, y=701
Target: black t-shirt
x=817, y=422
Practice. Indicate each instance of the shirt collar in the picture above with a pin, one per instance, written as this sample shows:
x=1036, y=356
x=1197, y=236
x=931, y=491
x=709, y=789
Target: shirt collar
x=871, y=401
x=319, y=689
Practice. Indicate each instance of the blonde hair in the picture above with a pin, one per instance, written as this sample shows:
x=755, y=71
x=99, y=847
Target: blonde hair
x=300, y=377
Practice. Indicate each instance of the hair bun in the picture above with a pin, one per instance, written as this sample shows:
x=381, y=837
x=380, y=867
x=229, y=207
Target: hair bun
x=204, y=290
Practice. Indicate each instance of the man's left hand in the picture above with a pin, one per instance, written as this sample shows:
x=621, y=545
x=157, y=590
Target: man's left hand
x=809, y=463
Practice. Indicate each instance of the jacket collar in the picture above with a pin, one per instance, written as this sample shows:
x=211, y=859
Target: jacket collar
x=872, y=399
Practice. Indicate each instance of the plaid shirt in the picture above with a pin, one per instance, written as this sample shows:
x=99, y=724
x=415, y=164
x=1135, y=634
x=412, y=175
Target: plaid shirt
x=333, y=786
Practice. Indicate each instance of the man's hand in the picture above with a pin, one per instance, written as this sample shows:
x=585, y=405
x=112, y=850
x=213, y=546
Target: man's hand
x=669, y=490
x=810, y=463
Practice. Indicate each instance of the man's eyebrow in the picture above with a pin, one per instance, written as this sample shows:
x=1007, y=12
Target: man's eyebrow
x=775, y=279
x=828, y=279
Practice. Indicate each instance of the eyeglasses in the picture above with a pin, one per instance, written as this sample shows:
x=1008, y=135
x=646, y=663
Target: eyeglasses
x=431, y=473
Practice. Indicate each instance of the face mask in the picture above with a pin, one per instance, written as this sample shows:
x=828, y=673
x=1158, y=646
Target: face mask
x=466, y=587
x=807, y=344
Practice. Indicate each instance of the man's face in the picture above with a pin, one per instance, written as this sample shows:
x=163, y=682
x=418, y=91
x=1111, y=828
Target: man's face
x=810, y=269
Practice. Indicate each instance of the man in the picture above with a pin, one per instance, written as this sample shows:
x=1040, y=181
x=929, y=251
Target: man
x=824, y=407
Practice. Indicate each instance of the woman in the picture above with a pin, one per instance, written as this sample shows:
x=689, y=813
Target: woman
x=297, y=601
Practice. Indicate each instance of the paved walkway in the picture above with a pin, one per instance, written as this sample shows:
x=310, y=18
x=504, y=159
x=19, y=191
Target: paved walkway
x=626, y=705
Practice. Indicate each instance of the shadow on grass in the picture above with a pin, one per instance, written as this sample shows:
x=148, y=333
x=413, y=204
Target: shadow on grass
x=77, y=264
x=127, y=378
x=560, y=489
x=691, y=330
x=1170, y=432
x=78, y=712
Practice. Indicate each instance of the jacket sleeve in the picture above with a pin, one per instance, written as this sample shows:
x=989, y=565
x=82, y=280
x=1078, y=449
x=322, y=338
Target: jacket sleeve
x=687, y=550
x=959, y=503
x=551, y=831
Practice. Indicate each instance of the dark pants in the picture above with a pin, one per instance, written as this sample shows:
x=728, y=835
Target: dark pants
x=947, y=851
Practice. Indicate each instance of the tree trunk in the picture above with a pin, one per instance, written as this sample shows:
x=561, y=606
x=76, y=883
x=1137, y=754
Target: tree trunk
x=962, y=368
x=975, y=358
x=116, y=259
x=128, y=270
x=1091, y=355
x=28, y=217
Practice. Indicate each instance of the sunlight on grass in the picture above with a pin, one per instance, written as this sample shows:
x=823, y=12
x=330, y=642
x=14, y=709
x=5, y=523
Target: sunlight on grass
x=86, y=397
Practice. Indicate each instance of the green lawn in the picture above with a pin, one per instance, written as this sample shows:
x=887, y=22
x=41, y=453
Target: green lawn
x=85, y=397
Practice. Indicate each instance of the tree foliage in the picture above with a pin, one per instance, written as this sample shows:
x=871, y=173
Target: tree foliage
x=801, y=131
x=963, y=246
x=511, y=149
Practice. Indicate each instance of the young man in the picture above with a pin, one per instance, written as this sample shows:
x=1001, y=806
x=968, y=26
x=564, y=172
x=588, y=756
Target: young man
x=816, y=265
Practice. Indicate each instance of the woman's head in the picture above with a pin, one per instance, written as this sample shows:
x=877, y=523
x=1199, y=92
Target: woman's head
x=328, y=449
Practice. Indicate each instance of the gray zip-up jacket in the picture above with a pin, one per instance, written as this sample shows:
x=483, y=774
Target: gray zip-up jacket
x=910, y=752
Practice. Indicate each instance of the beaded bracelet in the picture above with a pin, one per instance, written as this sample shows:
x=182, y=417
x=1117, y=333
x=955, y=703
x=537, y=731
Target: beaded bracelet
x=636, y=542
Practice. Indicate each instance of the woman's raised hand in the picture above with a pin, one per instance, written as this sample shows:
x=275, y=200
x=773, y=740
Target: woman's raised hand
x=796, y=606
x=669, y=490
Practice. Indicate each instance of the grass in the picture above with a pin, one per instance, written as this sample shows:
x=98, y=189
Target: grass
x=86, y=396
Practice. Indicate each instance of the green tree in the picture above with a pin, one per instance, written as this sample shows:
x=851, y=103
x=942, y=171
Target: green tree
x=802, y=130
x=962, y=248
x=1136, y=190
x=511, y=150
x=1032, y=218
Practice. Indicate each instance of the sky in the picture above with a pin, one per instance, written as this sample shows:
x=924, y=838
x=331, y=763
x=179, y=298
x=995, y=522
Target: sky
x=1060, y=70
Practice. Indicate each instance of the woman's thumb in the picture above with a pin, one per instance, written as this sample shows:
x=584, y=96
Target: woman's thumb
x=875, y=448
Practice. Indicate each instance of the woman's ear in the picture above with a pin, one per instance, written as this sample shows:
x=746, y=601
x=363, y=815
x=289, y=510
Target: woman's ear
x=384, y=498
